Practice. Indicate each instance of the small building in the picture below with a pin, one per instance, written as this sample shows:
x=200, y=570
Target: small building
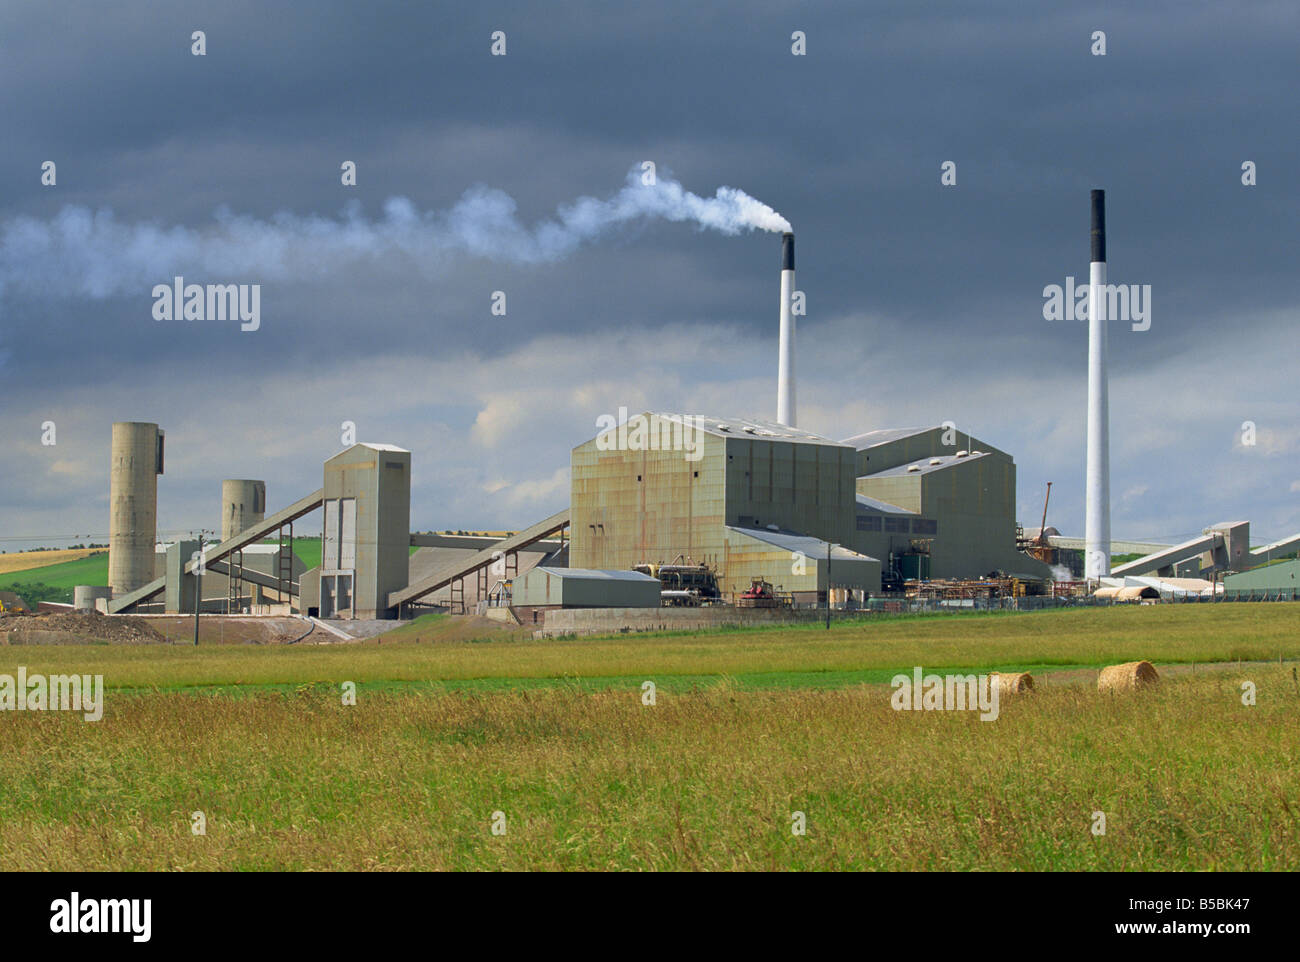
x=804, y=567
x=547, y=587
x=365, y=545
x=1280, y=579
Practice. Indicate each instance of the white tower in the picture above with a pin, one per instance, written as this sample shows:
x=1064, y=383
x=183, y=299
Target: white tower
x=1096, y=528
x=785, y=360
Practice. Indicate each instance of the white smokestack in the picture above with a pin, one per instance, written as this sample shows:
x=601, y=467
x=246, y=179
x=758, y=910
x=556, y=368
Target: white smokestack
x=1097, y=488
x=785, y=360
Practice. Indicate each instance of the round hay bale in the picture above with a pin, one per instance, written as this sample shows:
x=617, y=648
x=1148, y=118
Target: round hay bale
x=1130, y=676
x=1014, y=682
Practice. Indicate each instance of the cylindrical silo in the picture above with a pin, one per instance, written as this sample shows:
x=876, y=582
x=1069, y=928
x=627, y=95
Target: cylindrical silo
x=84, y=596
x=243, y=504
x=137, y=460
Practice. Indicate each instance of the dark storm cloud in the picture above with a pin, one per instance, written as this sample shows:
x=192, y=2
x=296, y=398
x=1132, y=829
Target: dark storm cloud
x=846, y=142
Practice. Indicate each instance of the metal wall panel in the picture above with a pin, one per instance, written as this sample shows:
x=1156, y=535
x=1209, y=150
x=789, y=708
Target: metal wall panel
x=330, y=543
x=348, y=534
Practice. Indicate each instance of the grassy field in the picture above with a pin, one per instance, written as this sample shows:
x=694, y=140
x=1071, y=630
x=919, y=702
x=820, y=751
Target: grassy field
x=433, y=651
x=749, y=727
x=29, y=560
x=93, y=570
x=18, y=571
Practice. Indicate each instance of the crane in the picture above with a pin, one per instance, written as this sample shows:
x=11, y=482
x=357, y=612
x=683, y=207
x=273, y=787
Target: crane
x=1042, y=528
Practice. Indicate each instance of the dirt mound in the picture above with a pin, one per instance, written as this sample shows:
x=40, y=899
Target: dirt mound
x=89, y=626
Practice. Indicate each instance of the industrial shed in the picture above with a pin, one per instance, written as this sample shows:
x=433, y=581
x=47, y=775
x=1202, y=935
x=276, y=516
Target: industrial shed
x=547, y=587
x=798, y=565
x=1128, y=593
x=1269, y=581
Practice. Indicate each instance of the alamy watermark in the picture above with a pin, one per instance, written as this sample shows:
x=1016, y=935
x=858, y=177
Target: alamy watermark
x=921, y=692
x=75, y=915
x=1122, y=302
x=209, y=302
x=642, y=432
x=83, y=693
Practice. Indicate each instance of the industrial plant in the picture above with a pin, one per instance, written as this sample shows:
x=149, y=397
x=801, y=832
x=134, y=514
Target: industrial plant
x=726, y=517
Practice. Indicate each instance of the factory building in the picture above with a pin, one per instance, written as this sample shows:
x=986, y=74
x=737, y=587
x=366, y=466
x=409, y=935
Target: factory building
x=938, y=503
x=664, y=486
x=757, y=499
x=365, y=542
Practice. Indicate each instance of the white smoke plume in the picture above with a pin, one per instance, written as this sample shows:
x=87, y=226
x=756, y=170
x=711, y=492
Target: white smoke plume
x=87, y=253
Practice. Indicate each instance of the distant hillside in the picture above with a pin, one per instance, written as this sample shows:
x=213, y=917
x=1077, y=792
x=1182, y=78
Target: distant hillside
x=38, y=579
x=26, y=560
x=84, y=571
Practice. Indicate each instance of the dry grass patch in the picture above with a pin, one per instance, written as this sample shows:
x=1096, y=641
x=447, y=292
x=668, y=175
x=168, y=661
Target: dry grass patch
x=1189, y=779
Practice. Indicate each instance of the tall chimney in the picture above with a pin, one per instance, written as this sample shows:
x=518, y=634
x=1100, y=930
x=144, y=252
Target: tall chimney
x=1097, y=487
x=785, y=359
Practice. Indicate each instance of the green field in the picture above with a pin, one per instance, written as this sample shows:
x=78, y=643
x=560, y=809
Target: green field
x=94, y=571
x=84, y=571
x=749, y=727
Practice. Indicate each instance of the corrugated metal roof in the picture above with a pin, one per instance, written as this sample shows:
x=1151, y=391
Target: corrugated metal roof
x=745, y=428
x=885, y=435
x=928, y=465
x=368, y=444
x=594, y=574
x=883, y=506
x=812, y=548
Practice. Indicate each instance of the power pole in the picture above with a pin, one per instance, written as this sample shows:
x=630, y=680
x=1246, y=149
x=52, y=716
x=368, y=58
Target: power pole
x=828, y=586
x=198, y=582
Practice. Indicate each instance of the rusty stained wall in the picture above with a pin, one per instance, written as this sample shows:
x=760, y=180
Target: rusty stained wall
x=632, y=506
x=749, y=558
x=651, y=506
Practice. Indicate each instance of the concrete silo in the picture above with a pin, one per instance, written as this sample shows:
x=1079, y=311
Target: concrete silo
x=243, y=504
x=137, y=460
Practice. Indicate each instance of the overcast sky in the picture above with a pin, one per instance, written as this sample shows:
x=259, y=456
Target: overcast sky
x=925, y=302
